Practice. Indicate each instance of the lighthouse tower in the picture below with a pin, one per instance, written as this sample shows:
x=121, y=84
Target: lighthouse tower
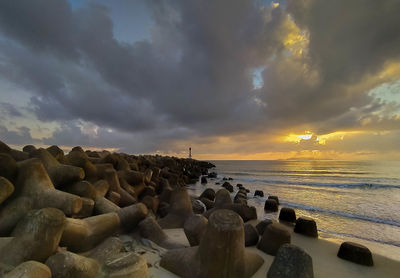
x=190, y=152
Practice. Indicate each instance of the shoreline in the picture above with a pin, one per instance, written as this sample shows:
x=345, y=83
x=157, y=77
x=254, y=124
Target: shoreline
x=85, y=207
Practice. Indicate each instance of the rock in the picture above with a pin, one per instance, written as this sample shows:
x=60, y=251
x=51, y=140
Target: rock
x=212, y=175
x=8, y=167
x=6, y=189
x=221, y=252
x=274, y=198
x=270, y=206
x=355, y=253
x=287, y=214
x=250, y=235
x=274, y=236
x=291, y=262
x=239, y=185
x=29, y=269
x=228, y=186
x=194, y=228
x=36, y=237
x=180, y=209
x=81, y=235
x=261, y=226
x=208, y=193
x=306, y=226
x=150, y=229
x=203, y=180
x=259, y=193
x=67, y=264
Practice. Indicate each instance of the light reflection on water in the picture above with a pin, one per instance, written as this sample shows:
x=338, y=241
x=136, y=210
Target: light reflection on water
x=359, y=201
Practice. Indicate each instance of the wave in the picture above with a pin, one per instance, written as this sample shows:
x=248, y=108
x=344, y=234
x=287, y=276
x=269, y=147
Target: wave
x=394, y=243
x=362, y=185
x=343, y=214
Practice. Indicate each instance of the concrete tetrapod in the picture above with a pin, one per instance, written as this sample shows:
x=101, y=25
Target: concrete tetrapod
x=29, y=269
x=116, y=262
x=8, y=167
x=80, y=159
x=83, y=234
x=223, y=200
x=221, y=252
x=6, y=189
x=36, y=237
x=34, y=184
x=180, y=209
x=194, y=228
x=67, y=264
x=60, y=174
x=150, y=229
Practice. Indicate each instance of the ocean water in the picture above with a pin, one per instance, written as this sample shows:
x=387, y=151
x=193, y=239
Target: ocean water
x=350, y=200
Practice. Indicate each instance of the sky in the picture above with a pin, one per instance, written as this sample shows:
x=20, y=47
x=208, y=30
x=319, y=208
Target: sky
x=232, y=79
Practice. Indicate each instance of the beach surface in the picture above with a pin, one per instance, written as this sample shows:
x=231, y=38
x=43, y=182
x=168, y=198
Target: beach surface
x=323, y=253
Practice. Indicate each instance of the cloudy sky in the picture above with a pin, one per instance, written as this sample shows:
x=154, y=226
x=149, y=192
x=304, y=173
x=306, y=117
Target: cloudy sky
x=233, y=79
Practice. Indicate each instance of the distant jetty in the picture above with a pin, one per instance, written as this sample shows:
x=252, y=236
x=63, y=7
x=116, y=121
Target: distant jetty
x=101, y=214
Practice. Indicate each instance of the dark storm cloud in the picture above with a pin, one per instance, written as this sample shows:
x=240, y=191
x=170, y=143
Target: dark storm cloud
x=326, y=87
x=194, y=76
x=349, y=38
x=195, y=72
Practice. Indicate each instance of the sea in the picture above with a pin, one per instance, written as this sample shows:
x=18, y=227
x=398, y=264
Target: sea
x=355, y=201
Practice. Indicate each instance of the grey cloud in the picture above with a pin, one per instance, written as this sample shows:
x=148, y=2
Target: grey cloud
x=7, y=109
x=193, y=78
x=349, y=38
x=21, y=136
